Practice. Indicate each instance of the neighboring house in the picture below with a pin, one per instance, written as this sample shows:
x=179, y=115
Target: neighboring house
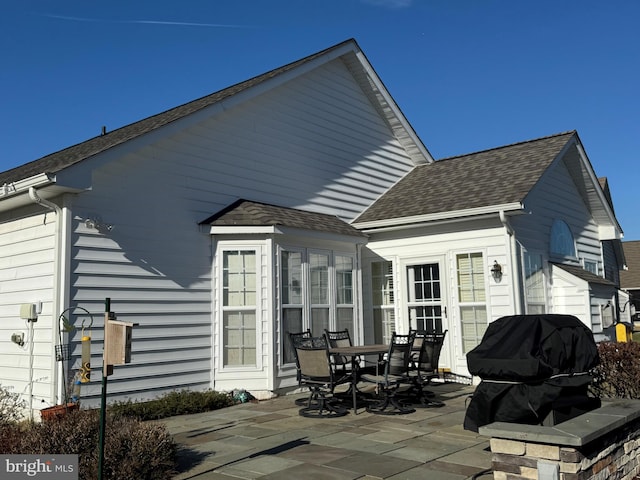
x=301, y=198
x=630, y=279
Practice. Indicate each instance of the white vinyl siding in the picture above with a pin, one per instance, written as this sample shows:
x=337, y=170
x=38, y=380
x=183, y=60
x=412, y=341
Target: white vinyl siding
x=556, y=198
x=313, y=143
x=27, y=250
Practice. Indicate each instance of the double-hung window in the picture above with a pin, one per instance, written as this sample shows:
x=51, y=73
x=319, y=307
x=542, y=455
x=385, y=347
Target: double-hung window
x=344, y=268
x=471, y=298
x=319, y=291
x=239, y=307
x=534, y=283
x=384, y=322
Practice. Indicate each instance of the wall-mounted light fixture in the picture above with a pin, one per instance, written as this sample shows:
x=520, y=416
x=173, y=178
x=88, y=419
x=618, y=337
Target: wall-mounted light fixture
x=98, y=224
x=18, y=338
x=496, y=271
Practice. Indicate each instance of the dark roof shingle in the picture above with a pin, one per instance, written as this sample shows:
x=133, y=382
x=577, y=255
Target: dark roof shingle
x=630, y=279
x=491, y=177
x=584, y=274
x=247, y=213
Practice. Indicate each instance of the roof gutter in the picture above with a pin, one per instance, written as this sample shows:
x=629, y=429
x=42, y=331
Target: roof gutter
x=15, y=188
x=391, y=224
x=514, y=264
x=58, y=297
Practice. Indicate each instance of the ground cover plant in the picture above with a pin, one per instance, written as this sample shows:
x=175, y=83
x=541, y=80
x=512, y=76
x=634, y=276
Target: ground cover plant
x=180, y=402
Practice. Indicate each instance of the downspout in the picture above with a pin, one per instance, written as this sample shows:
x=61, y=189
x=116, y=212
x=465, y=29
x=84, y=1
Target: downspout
x=359, y=334
x=514, y=264
x=58, y=299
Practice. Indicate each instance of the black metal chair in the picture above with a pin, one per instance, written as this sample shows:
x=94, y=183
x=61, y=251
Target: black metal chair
x=342, y=338
x=313, y=362
x=424, y=367
x=339, y=338
x=298, y=338
x=395, y=374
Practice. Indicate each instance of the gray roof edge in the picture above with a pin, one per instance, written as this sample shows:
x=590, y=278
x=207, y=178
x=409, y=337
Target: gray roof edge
x=441, y=217
x=73, y=154
x=523, y=142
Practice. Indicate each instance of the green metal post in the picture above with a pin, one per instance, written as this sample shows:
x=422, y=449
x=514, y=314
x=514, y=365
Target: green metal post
x=103, y=398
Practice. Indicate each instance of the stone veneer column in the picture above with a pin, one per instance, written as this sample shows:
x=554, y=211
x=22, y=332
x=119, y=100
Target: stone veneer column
x=601, y=444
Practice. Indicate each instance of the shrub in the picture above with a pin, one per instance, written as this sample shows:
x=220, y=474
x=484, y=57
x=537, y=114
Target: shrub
x=173, y=403
x=618, y=374
x=133, y=449
x=11, y=406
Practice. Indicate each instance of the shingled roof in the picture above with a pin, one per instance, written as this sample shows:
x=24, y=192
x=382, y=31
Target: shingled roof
x=630, y=279
x=64, y=158
x=584, y=274
x=255, y=214
x=497, y=176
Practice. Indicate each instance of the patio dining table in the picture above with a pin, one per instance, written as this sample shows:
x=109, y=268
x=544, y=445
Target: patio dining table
x=354, y=351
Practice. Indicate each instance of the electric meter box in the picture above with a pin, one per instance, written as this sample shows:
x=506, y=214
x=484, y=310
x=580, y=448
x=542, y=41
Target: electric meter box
x=119, y=342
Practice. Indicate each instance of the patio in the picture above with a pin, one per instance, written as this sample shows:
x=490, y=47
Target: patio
x=269, y=440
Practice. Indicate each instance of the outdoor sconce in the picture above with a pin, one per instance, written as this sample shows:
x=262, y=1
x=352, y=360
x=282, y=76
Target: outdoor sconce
x=96, y=223
x=496, y=271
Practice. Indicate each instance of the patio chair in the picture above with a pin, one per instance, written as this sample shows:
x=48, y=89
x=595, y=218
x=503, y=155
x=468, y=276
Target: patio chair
x=424, y=367
x=342, y=338
x=299, y=338
x=339, y=338
x=395, y=374
x=317, y=374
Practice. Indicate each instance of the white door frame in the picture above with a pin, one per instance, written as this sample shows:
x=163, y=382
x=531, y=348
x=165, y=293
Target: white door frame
x=403, y=322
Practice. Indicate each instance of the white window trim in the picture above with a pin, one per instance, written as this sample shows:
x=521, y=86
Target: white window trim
x=384, y=308
x=456, y=293
x=220, y=249
x=402, y=286
x=586, y=261
x=546, y=275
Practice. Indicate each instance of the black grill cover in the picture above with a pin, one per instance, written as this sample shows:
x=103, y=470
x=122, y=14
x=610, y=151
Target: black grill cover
x=528, y=365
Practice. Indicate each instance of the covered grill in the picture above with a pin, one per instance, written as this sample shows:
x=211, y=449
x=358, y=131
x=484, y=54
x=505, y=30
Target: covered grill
x=534, y=369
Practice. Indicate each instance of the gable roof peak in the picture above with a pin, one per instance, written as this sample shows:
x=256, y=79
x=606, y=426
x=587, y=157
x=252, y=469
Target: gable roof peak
x=467, y=185
x=59, y=160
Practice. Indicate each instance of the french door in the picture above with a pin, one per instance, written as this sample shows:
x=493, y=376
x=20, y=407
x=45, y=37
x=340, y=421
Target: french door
x=426, y=294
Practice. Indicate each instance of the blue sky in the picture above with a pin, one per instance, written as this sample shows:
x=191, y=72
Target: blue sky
x=468, y=74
